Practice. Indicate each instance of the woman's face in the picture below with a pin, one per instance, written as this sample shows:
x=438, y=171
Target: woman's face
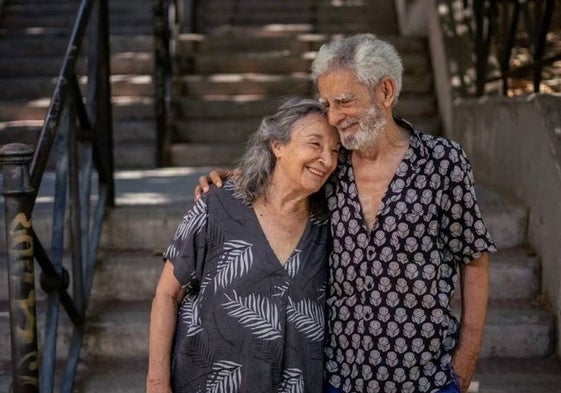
x=310, y=156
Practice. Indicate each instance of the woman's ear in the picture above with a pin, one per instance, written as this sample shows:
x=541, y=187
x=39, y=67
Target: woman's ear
x=276, y=147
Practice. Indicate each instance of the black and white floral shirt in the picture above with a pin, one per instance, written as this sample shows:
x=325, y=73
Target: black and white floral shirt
x=390, y=326
x=250, y=324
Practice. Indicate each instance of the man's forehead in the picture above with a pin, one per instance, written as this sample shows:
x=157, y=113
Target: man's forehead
x=337, y=97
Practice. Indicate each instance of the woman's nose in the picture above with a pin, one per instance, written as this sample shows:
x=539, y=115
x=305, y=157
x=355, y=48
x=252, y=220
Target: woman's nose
x=327, y=158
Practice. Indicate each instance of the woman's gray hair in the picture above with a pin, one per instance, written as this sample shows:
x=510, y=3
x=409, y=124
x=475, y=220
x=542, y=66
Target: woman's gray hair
x=258, y=162
x=370, y=58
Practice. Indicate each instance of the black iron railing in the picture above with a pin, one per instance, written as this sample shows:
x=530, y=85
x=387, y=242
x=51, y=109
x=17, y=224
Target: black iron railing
x=171, y=17
x=166, y=18
x=78, y=130
x=511, y=41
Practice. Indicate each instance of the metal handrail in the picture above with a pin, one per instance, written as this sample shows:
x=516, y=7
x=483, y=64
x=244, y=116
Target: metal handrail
x=79, y=131
x=170, y=18
x=495, y=31
x=163, y=70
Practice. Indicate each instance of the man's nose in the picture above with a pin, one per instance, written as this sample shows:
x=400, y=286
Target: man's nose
x=334, y=116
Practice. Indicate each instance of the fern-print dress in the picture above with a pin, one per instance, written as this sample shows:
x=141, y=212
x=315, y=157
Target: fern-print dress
x=250, y=323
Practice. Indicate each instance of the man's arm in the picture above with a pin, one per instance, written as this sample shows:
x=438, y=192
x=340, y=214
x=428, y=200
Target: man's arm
x=214, y=177
x=474, y=282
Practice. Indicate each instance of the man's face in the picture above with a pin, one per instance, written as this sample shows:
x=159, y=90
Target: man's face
x=351, y=108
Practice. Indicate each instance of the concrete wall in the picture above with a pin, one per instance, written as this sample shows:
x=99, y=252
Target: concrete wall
x=515, y=146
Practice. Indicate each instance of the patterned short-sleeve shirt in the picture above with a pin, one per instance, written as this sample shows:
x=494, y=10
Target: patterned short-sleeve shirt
x=390, y=325
x=249, y=324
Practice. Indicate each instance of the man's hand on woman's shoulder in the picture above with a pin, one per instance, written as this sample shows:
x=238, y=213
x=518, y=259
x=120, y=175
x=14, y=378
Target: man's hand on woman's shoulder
x=214, y=177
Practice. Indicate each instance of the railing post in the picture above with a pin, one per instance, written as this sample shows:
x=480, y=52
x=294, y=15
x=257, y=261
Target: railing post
x=18, y=203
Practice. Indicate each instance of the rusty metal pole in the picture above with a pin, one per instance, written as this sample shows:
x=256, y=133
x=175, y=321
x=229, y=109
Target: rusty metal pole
x=18, y=204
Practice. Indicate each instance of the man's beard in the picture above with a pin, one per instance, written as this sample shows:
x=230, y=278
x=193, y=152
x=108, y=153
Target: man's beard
x=370, y=127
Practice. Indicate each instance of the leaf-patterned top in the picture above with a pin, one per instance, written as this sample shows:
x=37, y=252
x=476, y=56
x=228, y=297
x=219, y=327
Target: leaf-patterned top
x=249, y=324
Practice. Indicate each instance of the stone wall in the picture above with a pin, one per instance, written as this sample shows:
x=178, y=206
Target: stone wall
x=515, y=147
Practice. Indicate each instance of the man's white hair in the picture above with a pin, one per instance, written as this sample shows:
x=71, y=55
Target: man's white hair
x=368, y=57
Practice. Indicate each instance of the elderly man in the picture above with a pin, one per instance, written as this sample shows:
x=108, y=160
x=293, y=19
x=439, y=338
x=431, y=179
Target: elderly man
x=405, y=222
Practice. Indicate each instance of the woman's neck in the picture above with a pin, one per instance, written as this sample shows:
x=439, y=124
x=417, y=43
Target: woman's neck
x=279, y=201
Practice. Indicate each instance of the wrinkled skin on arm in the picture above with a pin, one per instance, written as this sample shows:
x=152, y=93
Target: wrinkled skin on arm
x=474, y=281
x=162, y=328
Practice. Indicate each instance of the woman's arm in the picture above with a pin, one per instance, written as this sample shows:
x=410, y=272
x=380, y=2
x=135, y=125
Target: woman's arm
x=162, y=328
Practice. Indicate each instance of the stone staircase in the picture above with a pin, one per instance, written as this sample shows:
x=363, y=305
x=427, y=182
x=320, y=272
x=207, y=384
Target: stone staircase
x=34, y=35
x=251, y=53
x=518, y=332
x=233, y=71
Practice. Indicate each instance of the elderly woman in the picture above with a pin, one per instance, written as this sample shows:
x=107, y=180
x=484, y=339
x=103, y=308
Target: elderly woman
x=240, y=303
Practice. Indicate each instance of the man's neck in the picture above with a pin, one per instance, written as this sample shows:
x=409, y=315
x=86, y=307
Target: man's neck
x=393, y=138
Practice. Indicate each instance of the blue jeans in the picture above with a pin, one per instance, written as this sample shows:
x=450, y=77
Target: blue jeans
x=452, y=388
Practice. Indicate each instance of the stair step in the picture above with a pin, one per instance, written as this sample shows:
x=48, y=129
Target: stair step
x=243, y=84
x=50, y=46
x=20, y=131
x=40, y=31
x=517, y=329
x=277, y=30
x=130, y=227
x=47, y=2
x=187, y=43
x=495, y=375
x=216, y=131
x=231, y=107
x=31, y=10
x=124, y=107
x=135, y=155
x=269, y=84
x=512, y=375
x=40, y=87
x=66, y=20
x=277, y=62
x=238, y=38
x=238, y=129
x=255, y=18
x=225, y=6
x=513, y=273
x=205, y=154
x=119, y=330
x=357, y=13
x=506, y=222
x=121, y=63
x=134, y=140
x=274, y=62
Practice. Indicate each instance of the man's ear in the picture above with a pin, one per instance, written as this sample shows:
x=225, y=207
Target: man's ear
x=388, y=89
